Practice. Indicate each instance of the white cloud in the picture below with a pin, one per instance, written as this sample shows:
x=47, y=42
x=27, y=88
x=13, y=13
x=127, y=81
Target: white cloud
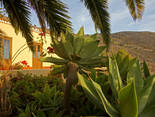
x=83, y=17
x=149, y=3
x=119, y=15
x=149, y=26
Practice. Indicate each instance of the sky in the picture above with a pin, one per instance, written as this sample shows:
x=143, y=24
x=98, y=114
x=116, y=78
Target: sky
x=120, y=18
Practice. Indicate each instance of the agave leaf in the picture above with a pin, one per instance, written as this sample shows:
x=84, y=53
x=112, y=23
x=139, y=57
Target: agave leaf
x=69, y=36
x=128, y=101
x=93, y=74
x=94, y=36
x=136, y=74
x=89, y=48
x=57, y=61
x=150, y=106
x=80, y=32
x=59, y=49
x=146, y=70
x=98, y=51
x=27, y=110
x=78, y=44
x=41, y=114
x=68, y=47
x=124, y=67
x=114, y=77
x=148, y=112
x=144, y=97
x=94, y=92
x=88, y=61
x=58, y=70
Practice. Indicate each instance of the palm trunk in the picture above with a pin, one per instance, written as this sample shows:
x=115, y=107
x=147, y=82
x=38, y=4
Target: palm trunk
x=71, y=79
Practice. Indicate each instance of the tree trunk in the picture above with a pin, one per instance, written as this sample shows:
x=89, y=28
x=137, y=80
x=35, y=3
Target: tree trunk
x=70, y=81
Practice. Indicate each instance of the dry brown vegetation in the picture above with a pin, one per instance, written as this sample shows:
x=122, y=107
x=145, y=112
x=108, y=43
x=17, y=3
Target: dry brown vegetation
x=138, y=44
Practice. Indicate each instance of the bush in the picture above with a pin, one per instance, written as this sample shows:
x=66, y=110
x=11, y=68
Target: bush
x=38, y=96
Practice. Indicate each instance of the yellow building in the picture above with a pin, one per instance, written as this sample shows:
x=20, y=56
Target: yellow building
x=10, y=43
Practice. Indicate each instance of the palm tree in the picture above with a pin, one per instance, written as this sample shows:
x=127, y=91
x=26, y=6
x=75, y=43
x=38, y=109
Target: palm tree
x=50, y=12
x=54, y=13
x=98, y=10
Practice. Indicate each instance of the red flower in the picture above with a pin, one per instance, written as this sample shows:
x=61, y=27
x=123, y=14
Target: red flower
x=50, y=50
x=41, y=34
x=24, y=62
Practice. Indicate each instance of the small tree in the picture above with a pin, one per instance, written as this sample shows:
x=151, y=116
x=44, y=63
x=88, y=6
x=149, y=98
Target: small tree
x=75, y=54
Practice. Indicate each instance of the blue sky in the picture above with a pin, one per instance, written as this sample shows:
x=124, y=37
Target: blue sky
x=120, y=17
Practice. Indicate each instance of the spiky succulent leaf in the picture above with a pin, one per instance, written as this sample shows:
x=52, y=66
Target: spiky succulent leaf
x=136, y=74
x=114, y=77
x=146, y=70
x=59, y=49
x=144, y=97
x=150, y=106
x=59, y=70
x=57, y=61
x=148, y=112
x=94, y=92
x=89, y=48
x=128, y=101
x=68, y=48
x=78, y=44
x=80, y=32
x=98, y=61
x=69, y=36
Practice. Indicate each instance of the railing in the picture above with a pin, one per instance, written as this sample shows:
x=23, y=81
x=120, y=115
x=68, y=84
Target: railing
x=37, y=72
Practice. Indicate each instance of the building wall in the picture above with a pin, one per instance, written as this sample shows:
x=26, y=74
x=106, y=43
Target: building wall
x=18, y=40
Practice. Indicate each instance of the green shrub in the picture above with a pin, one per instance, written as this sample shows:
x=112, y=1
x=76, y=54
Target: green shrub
x=76, y=53
x=33, y=96
x=132, y=91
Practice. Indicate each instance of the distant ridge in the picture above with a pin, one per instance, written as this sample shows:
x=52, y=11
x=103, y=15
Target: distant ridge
x=138, y=44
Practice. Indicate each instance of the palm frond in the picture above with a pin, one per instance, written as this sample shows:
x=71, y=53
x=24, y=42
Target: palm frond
x=136, y=8
x=18, y=12
x=55, y=13
x=40, y=13
x=100, y=16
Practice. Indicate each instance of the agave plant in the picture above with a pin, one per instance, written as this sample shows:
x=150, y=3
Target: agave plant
x=75, y=54
x=133, y=95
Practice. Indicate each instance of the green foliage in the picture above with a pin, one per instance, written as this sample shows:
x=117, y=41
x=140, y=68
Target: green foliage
x=123, y=61
x=132, y=95
x=52, y=12
x=94, y=92
x=146, y=70
x=128, y=101
x=114, y=77
x=36, y=96
x=33, y=96
x=75, y=48
x=99, y=13
x=75, y=53
x=136, y=8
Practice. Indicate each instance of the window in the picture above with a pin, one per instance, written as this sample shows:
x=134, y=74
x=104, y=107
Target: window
x=34, y=53
x=6, y=49
x=38, y=51
x=1, y=52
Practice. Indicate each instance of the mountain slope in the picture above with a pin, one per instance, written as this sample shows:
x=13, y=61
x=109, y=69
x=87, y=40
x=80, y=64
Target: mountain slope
x=138, y=44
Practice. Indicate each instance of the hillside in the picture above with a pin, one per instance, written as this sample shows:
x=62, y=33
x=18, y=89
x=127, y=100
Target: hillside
x=138, y=44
